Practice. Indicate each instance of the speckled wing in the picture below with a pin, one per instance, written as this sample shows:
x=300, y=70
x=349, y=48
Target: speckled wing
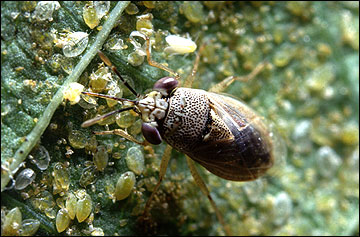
x=236, y=144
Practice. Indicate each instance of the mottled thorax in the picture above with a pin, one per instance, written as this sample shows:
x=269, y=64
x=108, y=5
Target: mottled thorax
x=186, y=119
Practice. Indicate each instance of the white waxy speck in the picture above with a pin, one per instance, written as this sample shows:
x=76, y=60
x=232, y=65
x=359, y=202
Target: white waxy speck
x=73, y=92
x=45, y=9
x=179, y=45
x=102, y=8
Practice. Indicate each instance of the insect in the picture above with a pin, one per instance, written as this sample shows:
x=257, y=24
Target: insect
x=220, y=133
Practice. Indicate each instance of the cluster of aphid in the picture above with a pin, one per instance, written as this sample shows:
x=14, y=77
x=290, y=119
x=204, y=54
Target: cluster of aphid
x=222, y=134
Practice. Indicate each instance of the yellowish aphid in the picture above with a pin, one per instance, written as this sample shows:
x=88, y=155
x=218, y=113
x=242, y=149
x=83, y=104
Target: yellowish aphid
x=90, y=16
x=125, y=119
x=83, y=206
x=99, y=79
x=70, y=205
x=61, y=179
x=43, y=201
x=73, y=92
x=101, y=158
x=132, y=9
x=91, y=144
x=117, y=92
x=179, y=45
x=77, y=139
x=12, y=222
x=62, y=220
x=135, y=160
x=144, y=24
x=125, y=185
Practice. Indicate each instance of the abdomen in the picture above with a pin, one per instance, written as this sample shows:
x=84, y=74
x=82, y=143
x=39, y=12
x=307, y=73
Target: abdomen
x=246, y=153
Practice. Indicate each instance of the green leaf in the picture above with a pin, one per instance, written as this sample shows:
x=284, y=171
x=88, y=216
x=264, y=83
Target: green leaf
x=309, y=92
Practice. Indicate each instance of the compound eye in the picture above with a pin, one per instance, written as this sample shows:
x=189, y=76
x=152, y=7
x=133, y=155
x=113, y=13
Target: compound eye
x=165, y=85
x=151, y=134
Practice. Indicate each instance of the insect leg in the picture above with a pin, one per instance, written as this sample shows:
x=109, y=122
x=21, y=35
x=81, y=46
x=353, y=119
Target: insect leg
x=204, y=189
x=156, y=64
x=164, y=163
x=123, y=134
x=190, y=79
x=221, y=86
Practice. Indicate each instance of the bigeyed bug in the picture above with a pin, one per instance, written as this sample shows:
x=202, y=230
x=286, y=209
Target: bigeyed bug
x=222, y=134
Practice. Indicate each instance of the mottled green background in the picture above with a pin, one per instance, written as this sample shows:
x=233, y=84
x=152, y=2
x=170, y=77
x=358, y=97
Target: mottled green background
x=309, y=91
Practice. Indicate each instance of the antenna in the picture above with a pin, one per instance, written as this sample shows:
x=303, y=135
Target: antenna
x=92, y=121
x=109, y=97
x=107, y=61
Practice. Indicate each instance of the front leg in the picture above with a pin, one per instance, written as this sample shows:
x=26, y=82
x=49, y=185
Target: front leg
x=221, y=86
x=163, y=165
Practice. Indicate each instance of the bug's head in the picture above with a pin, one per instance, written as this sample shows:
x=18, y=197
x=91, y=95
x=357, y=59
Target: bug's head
x=153, y=108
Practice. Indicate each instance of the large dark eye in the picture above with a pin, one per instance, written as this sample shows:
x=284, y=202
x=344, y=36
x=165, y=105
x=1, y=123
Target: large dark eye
x=151, y=134
x=165, y=85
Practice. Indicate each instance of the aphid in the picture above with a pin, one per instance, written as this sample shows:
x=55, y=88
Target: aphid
x=125, y=185
x=83, y=205
x=62, y=220
x=11, y=223
x=70, y=203
x=29, y=227
x=61, y=178
x=25, y=178
x=179, y=45
x=101, y=158
x=222, y=134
